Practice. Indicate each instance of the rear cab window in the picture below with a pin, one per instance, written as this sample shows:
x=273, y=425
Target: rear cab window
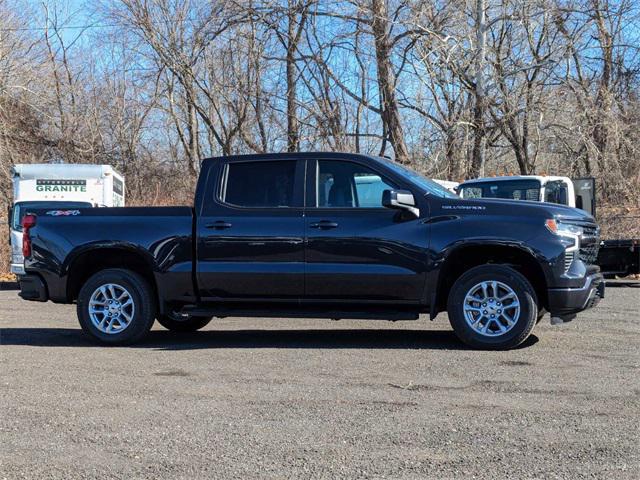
x=509, y=189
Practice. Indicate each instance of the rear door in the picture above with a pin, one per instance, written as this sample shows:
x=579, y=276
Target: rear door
x=251, y=231
x=357, y=250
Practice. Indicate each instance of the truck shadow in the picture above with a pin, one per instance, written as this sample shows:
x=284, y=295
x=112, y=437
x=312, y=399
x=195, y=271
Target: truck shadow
x=212, y=339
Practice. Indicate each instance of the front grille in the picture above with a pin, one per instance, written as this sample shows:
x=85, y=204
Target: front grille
x=589, y=244
x=589, y=240
x=589, y=253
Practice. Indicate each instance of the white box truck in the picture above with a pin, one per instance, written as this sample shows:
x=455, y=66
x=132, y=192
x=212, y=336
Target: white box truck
x=59, y=186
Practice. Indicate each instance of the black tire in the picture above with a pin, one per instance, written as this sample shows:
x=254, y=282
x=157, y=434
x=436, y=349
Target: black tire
x=142, y=298
x=190, y=324
x=526, y=297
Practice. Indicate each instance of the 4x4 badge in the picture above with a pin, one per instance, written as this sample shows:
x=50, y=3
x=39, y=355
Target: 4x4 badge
x=63, y=213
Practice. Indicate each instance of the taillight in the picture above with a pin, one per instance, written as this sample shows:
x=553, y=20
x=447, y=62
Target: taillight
x=28, y=221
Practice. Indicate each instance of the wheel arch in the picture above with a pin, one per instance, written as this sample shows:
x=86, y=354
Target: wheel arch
x=464, y=257
x=84, y=263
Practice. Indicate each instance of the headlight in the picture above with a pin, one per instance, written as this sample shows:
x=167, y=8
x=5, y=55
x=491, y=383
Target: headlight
x=564, y=229
x=570, y=239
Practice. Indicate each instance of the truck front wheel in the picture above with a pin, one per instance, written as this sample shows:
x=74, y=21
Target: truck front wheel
x=116, y=306
x=493, y=307
x=190, y=324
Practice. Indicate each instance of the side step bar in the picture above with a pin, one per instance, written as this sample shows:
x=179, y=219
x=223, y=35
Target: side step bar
x=222, y=311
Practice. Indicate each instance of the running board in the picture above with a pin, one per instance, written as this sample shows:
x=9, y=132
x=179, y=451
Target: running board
x=299, y=312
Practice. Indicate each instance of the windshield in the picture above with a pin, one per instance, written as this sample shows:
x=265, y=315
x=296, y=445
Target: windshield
x=20, y=209
x=429, y=186
x=510, y=189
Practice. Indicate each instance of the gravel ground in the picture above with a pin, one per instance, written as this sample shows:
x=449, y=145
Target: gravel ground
x=257, y=398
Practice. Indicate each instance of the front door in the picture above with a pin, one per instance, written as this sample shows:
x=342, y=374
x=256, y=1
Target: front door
x=251, y=232
x=357, y=250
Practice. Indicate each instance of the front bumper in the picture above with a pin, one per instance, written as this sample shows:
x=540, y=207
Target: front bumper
x=567, y=301
x=33, y=288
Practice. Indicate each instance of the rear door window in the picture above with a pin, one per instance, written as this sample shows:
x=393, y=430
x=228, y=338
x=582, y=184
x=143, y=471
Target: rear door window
x=261, y=184
x=556, y=192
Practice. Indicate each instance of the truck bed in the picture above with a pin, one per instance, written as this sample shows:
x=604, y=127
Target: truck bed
x=161, y=235
x=619, y=257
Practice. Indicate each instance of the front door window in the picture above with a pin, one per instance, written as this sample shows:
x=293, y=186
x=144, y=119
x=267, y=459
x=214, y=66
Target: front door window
x=349, y=185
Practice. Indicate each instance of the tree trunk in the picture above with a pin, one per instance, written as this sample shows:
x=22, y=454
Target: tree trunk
x=380, y=25
x=603, y=99
x=479, y=141
x=451, y=155
x=192, y=131
x=479, y=138
x=293, y=37
x=292, y=118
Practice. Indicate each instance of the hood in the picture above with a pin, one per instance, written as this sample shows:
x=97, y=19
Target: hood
x=495, y=206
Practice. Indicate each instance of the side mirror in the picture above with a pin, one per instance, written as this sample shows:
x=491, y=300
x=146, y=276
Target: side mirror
x=400, y=200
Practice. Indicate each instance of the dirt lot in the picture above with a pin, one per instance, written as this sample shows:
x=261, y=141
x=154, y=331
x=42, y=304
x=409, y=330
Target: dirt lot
x=254, y=398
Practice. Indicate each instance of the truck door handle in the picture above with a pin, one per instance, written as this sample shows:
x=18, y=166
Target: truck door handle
x=219, y=225
x=324, y=224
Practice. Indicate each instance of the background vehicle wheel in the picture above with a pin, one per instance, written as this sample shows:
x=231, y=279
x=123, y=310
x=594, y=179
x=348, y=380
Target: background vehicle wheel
x=493, y=307
x=190, y=324
x=116, y=306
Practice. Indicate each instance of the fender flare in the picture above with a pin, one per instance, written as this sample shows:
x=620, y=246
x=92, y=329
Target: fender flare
x=128, y=247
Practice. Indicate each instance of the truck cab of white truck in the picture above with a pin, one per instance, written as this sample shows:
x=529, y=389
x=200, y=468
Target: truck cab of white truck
x=577, y=193
x=59, y=187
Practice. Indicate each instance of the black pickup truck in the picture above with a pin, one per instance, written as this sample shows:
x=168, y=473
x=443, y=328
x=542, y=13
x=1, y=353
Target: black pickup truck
x=326, y=235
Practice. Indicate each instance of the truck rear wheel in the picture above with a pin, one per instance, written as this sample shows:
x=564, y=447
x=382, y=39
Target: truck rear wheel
x=190, y=324
x=116, y=306
x=492, y=307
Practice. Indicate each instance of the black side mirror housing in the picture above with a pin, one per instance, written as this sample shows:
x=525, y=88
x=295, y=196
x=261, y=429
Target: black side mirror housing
x=400, y=200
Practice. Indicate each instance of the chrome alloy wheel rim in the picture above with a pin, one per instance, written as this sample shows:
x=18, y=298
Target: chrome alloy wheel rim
x=111, y=308
x=491, y=308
